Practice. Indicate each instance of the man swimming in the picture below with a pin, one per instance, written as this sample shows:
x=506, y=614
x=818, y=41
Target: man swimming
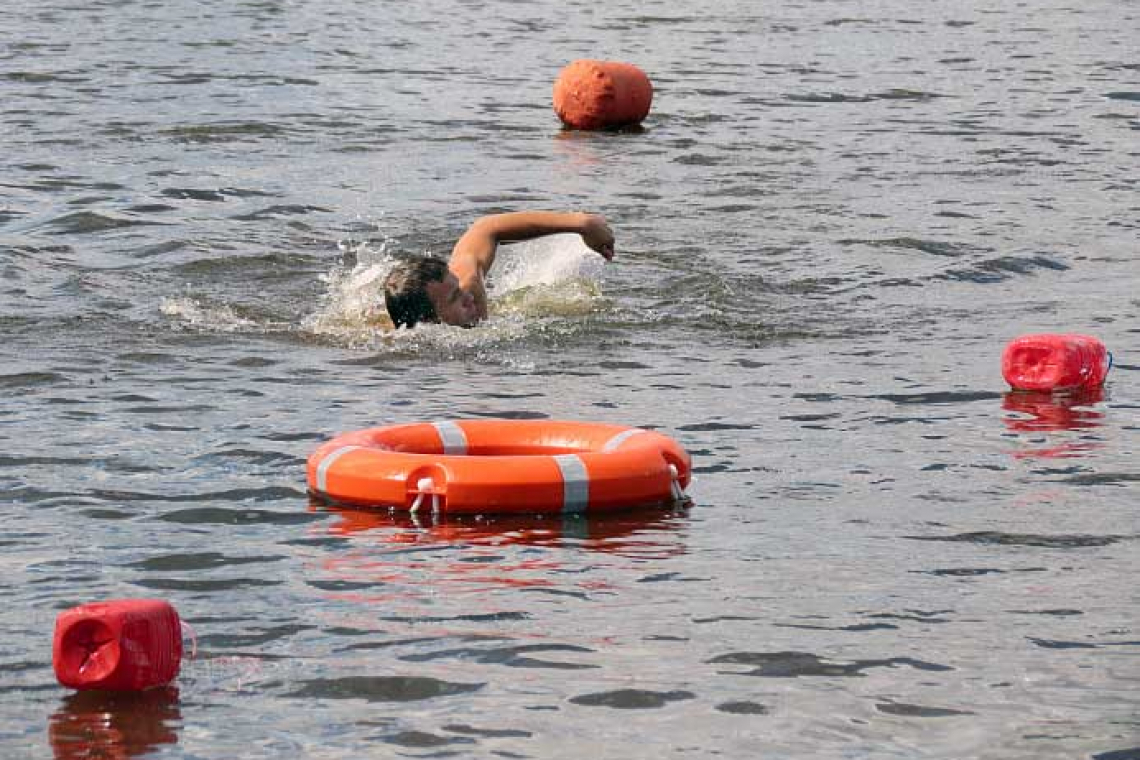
x=425, y=289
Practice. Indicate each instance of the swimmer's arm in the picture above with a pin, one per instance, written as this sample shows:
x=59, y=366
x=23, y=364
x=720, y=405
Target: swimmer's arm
x=474, y=252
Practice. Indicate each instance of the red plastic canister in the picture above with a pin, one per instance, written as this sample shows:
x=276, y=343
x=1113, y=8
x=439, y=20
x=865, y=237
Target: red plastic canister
x=118, y=645
x=1055, y=362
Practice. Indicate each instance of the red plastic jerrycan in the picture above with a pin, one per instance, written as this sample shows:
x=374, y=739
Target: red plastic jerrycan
x=118, y=645
x=1049, y=362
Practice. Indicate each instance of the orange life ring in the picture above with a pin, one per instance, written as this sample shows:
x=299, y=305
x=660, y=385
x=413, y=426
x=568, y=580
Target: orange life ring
x=501, y=466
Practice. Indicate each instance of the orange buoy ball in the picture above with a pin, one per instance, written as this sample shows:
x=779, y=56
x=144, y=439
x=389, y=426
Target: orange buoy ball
x=600, y=94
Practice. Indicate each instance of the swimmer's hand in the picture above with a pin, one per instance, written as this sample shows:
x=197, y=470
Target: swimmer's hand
x=598, y=235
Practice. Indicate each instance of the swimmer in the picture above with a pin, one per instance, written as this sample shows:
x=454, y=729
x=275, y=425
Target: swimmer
x=425, y=289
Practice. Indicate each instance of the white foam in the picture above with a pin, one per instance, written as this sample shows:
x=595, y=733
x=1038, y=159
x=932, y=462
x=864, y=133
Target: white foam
x=201, y=315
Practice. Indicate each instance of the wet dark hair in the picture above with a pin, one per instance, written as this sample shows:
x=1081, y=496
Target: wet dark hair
x=405, y=290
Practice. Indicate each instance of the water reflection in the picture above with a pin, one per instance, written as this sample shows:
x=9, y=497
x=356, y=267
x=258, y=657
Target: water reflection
x=582, y=149
x=1053, y=411
x=1041, y=412
x=395, y=556
x=635, y=530
x=112, y=725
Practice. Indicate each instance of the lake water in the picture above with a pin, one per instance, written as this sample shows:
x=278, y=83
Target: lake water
x=836, y=216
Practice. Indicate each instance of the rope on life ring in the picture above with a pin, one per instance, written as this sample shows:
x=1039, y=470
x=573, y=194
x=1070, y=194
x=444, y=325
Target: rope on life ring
x=425, y=487
x=674, y=486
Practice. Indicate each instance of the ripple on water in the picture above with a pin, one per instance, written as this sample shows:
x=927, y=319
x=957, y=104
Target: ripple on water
x=918, y=711
x=204, y=585
x=273, y=212
x=30, y=380
x=854, y=628
x=999, y=538
x=742, y=707
x=223, y=132
x=198, y=561
x=1055, y=644
x=215, y=642
x=488, y=733
x=382, y=688
x=972, y=572
x=254, y=456
x=934, y=247
x=510, y=656
x=239, y=515
x=1120, y=754
x=937, y=397
x=1003, y=267
x=213, y=196
x=33, y=461
x=632, y=699
x=800, y=664
x=425, y=740
x=87, y=222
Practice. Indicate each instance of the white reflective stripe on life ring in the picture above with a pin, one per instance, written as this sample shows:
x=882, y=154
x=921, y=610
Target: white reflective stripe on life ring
x=621, y=438
x=575, y=483
x=327, y=462
x=452, y=437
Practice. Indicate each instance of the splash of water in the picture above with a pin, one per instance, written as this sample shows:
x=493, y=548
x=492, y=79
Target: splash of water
x=556, y=276
x=352, y=310
x=538, y=288
x=551, y=260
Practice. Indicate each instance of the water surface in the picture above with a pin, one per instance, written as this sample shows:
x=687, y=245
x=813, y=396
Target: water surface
x=835, y=217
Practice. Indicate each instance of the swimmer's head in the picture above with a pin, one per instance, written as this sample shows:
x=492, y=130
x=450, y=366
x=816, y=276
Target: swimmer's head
x=405, y=291
x=424, y=290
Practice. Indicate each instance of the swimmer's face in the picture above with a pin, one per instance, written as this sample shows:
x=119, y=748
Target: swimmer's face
x=453, y=305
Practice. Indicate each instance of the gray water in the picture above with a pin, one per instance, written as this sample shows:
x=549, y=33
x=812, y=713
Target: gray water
x=836, y=216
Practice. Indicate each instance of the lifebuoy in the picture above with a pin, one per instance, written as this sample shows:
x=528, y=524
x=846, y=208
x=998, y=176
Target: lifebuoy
x=501, y=466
